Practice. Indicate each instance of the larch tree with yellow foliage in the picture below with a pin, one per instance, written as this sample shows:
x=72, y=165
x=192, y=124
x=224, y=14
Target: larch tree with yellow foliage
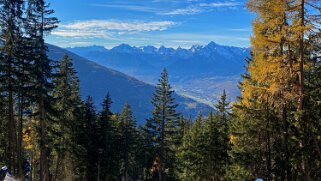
x=272, y=108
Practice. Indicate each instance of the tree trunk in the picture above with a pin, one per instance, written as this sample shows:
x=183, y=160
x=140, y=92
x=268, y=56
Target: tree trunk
x=286, y=146
x=19, y=150
x=301, y=89
x=268, y=154
x=11, y=130
x=44, y=165
x=57, y=167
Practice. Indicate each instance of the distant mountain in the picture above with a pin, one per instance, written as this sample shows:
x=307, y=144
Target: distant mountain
x=97, y=81
x=200, y=72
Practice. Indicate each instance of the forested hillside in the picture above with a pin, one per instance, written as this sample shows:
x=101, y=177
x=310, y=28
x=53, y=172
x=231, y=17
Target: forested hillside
x=97, y=81
x=49, y=132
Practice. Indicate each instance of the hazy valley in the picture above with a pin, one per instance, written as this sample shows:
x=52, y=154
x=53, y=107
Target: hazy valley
x=200, y=72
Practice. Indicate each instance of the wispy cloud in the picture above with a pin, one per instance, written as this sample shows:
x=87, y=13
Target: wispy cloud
x=139, y=8
x=189, y=7
x=240, y=29
x=184, y=11
x=202, y=7
x=106, y=28
x=119, y=25
x=220, y=4
x=80, y=33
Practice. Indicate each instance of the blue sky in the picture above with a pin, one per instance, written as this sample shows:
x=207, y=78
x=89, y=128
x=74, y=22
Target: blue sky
x=171, y=23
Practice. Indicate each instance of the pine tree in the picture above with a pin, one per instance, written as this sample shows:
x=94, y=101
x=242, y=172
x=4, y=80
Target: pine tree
x=162, y=128
x=144, y=155
x=216, y=146
x=190, y=153
x=128, y=140
x=183, y=126
x=10, y=58
x=108, y=142
x=89, y=139
x=202, y=154
x=222, y=108
x=37, y=25
x=79, y=139
x=67, y=99
x=2, y=133
x=312, y=103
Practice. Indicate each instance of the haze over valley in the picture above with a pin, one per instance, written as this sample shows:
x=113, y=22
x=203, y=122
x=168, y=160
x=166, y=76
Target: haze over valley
x=200, y=72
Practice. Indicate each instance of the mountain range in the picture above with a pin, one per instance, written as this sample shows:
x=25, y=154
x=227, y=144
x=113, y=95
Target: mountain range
x=200, y=72
x=97, y=80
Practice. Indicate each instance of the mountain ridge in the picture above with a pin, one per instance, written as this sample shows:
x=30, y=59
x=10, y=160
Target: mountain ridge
x=97, y=80
x=200, y=72
x=126, y=48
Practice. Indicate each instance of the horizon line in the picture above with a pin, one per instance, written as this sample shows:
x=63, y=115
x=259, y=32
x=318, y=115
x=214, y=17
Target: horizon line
x=156, y=46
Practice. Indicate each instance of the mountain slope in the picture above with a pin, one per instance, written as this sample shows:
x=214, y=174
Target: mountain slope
x=201, y=72
x=97, y=81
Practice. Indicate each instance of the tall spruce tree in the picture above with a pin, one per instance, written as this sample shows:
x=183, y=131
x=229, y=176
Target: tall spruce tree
x=79, y=138
x=108, y=142
x=10, y=58
x=163, y=128
x=38, y=23
x=67, y=99
x=223, y=114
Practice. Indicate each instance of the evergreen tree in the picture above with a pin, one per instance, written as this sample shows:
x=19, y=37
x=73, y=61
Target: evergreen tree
x=202, y=155
x=10, y=58
x=108, y=142
x=144, y=155
x=128, y=141
x=313, y=113
x=67, y=99
x=183, y=126
x=222, y=108
x=190, y=153
x=162, y=128
x=37, y=25
x=89, y=139
x=215, y=148
x=79, y=138
x=3, y=137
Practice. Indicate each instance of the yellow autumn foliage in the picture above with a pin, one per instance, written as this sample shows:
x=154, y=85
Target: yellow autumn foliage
x=275, y=62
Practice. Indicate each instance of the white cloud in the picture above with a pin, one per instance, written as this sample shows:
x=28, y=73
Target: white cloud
x=130, y=7
x=121, y=26
x=184, y=11
x=202, y=7
x=220, y=4
x=106, y=28
x=80, y=33
x=241, y=29
x=187, y=7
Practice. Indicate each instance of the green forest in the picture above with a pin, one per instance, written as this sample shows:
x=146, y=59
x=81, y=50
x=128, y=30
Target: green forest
x=273, y=130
